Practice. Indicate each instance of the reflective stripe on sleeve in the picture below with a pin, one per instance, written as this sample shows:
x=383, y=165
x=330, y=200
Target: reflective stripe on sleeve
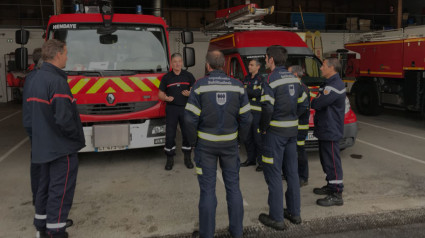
x=280, y=82
x=284, y=123
x=302, y=98
x=216, y=138
x=193, y=108
x=245, y=108
x=40, y=217
x=55, y=225
x=219, y=88
x=303, y=127
x=329, y=88
x=255, y=108
x=265, y=98
x=267, y=160
x=335, y=181
x=199, y=170
x=257, y=87
x=301, y=143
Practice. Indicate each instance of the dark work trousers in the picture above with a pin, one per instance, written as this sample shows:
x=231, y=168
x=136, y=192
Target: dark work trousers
x=206, y=167
x=35, y=178
x=302, y=155
x=331, y=164
x=55, y=194
x=253, y=142
x=281, y=152
x=175, y=115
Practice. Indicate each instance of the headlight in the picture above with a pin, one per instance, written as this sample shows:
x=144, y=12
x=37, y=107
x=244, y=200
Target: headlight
x=158, y=130
x=347, y=105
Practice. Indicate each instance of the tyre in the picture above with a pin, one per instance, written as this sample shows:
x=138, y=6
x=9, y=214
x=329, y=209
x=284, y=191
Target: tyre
x=367, y=99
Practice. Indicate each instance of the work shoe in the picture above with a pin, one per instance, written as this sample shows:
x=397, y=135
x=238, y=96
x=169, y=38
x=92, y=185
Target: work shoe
x=60, y=235
x=195, y=234
x=334, y=199
x=303, y=182
x=259, y=168
x=187, y=160
x=248, y=163
x=170, y=163
x=325, y=190
x=69, y=223
x=267, y=221
x=292, y=219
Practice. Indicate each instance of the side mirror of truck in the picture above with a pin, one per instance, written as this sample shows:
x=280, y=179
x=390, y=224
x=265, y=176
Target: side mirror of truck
x=21, y=58
x=188, y=56
x=108, y=39
x=187, y=37
x=22, y=36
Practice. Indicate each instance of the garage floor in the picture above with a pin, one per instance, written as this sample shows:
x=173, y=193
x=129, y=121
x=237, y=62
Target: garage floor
x=129, y=194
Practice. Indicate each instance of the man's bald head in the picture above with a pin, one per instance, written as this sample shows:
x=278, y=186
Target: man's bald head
x=215, y=59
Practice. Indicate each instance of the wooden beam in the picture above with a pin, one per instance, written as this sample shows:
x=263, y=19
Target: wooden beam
x=399, y=13
x=58, y=6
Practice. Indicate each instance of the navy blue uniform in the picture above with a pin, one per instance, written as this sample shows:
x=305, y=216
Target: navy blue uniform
x=173, y=85
x=329, y=128
x=52, y=121
x=283, y=100
x=303, y=126
x=217, y=108
x=253, y=142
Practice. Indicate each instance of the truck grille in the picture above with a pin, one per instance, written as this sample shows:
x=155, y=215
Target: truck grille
x=119, y=108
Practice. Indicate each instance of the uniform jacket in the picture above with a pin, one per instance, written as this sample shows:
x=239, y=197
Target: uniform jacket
x=217, y=109
x=50, y=115
x=283, y=100
x=253, y=89
x=173, y=85
x=330, y=110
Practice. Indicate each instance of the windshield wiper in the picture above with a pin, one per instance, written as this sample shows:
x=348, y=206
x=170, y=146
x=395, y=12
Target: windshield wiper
x=85, y=73
x=127, y=72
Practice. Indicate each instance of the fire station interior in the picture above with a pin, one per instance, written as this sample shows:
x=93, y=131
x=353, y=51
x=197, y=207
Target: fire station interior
x=123, y=190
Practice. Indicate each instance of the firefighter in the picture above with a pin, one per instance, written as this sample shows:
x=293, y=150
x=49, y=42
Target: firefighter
x=218, y=107
x=303, y=127
x=329, y=129
x=252, y=83
x=174, y=89
x=283, y=99
x=52, y=121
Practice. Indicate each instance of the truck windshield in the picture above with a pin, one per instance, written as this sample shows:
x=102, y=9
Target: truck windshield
x=130, y=47
x=310, y=64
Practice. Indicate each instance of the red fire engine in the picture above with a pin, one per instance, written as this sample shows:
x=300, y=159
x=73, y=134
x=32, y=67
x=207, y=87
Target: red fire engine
x=115, y=64
x=248, y=39
x=390, y=71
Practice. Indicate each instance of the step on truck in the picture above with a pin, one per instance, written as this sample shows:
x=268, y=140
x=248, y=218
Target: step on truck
x=240, y=36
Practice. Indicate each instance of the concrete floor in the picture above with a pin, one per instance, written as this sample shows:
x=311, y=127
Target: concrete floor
x=129, y=194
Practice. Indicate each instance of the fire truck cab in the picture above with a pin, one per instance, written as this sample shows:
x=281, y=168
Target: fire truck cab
x=251, y=41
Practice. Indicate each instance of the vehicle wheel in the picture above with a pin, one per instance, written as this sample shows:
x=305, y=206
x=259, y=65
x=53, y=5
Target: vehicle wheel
x=367, y=100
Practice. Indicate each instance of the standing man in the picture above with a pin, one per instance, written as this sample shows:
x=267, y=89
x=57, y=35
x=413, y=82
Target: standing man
x=52, y=121
x=252, y=84
x=217, y=108
x=329, y=129
x=174, y=89
x=303, y=126
x=282, y=101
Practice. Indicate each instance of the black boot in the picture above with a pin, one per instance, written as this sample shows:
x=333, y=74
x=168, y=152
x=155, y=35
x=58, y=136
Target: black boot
x=334, y=199
x=170, y=163
x=61, y=235
x=187, y=160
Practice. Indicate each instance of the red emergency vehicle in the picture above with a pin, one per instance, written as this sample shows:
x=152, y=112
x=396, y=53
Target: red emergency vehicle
x=390, y=70
x=251, y=41
x=115, y=64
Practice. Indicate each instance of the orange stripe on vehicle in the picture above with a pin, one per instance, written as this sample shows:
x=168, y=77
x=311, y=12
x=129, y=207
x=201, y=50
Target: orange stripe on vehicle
x=155, y=81
x=384, y=73
x=79, y=85
x=376, y=43
x=413, y=68
x=140, y=84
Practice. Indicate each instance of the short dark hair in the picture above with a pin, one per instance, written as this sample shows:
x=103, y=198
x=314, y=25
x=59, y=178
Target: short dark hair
x=36, y=55
x=176, y=55
x=257, y=61
x=297, y=69
x=215, y=59
x=334, y=62
x=50, y=48
x=278, y=53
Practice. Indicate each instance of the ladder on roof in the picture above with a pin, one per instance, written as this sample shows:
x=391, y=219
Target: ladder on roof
x=388, y=35
x=246, y=18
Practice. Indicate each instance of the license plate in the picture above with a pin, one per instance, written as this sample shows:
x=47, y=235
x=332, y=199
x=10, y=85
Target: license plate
x=310, y=136
x=110, y=148
x=159, y=141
